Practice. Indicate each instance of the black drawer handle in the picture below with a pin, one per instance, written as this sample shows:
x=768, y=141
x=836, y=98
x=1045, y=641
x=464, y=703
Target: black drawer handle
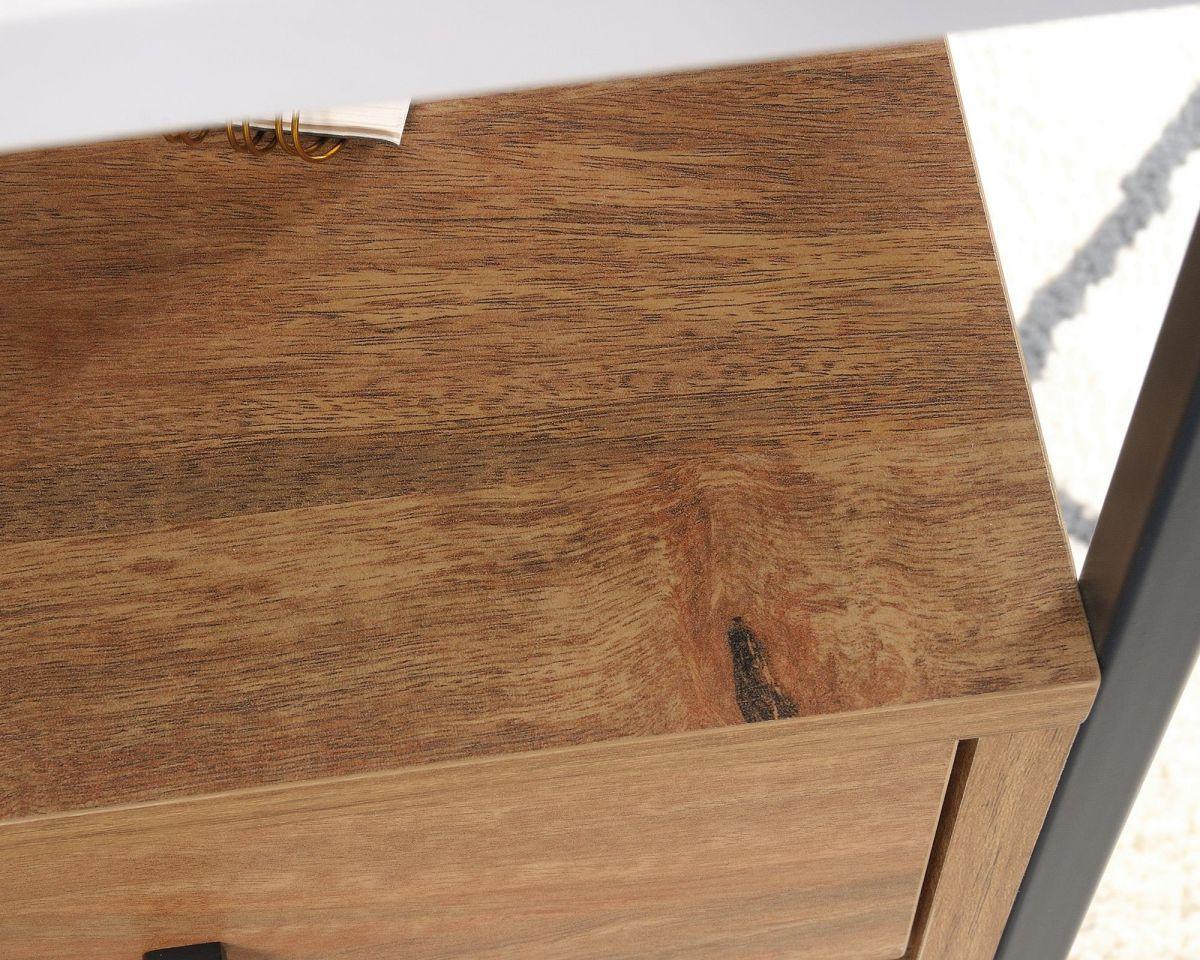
x=195, y=951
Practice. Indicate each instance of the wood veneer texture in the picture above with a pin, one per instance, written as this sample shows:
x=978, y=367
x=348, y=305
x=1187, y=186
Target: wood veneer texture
x=588, y=414
x=993, y=815
x=707, y=848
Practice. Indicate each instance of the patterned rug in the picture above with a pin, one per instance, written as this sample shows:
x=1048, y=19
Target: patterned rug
x=1087, y=136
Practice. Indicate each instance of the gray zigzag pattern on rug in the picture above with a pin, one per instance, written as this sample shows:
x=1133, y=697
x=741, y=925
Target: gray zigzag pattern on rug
x=1146, y=193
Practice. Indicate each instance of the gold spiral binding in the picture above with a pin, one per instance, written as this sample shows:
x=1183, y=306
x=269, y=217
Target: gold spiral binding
x=187, y=137
x=253, y=142
x=245, y=139
x=313, y=153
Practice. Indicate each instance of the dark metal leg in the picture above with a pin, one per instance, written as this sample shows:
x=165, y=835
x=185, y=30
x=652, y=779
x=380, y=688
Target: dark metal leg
x=1141, y=588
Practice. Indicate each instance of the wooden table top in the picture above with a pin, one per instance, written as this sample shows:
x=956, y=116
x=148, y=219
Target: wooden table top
x=611, y=411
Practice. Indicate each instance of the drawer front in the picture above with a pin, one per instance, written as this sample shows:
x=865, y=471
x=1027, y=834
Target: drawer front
x=744, y=843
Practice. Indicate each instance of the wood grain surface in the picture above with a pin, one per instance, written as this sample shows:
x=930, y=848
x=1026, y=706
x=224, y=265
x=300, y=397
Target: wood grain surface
x=715, y=849
x=993, y=814
x=605, y=412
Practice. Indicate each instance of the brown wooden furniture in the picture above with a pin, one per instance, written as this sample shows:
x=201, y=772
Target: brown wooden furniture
x=612, y=524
